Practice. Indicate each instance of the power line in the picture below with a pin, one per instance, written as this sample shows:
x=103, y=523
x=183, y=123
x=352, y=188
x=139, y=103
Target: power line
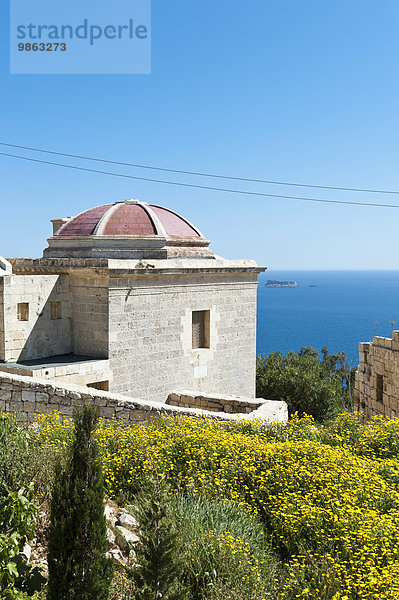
x=202, y=187
x=199, y=174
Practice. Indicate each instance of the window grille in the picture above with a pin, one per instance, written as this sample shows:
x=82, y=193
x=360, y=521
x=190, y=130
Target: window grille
x=200, y=329
x=55, y=310
x=23, y=311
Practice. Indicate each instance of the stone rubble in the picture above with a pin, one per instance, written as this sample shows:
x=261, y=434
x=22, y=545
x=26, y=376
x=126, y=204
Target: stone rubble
x=122, y=533
x=122, y=536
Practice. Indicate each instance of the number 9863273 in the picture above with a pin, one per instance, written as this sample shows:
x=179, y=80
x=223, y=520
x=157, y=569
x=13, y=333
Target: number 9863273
x=42, y=47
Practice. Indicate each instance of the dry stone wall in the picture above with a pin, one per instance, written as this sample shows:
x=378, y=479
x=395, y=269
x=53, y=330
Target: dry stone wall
x=27, y=397
x=377, y=378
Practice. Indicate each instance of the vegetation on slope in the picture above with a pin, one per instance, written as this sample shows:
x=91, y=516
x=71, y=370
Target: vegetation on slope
x=326, y=497
x=321, y=387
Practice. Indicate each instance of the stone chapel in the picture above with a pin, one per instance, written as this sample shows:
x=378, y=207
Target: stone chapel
x=129, y=298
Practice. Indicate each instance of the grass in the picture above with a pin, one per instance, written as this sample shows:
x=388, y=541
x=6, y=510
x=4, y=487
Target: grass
x=223, y=549
x=24, y=459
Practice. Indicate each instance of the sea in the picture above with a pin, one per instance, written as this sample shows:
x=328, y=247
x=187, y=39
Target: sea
x=337, y=309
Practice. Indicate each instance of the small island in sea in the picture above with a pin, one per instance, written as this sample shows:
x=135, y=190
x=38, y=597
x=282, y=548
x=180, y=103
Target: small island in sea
x=276, y=283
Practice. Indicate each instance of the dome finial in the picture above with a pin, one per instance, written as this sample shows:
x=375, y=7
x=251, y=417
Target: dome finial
x=132, y=201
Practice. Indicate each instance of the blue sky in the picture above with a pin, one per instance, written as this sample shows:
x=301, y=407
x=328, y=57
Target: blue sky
x=293, y=90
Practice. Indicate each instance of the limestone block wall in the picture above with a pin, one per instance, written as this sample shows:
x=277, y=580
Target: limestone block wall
x=89, y=295
x=27, y=397
x=39, y=336
x=377, y=378
x=2, y=349
x=150, y=324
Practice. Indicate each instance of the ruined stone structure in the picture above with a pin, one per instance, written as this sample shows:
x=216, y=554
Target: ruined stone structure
x=377, y=377
x=129, y=298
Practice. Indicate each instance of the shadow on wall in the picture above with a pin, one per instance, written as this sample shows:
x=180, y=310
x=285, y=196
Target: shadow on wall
x=37, y=317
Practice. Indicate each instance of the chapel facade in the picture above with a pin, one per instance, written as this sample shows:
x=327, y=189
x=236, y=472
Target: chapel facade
x=128, y=297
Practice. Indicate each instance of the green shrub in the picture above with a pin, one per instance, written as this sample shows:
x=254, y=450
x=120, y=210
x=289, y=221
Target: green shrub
x=78, y=568
x=320, y=388
x=156, y=574
x=17, y=512
x=223, y=549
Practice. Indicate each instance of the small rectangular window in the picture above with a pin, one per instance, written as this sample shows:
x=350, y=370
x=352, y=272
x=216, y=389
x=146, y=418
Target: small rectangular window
x=23, y=311
x=201, y=329
x=380, y=388
x=55, y=310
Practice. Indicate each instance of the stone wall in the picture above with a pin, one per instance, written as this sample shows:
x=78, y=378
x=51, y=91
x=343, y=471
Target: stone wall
x=150, y=321
x=237, y=407
x=2, y=349
x=139, y=316
x=377, y=378
x=214, y=402
x=39, y=336
x=27, y=397
x=89, y=295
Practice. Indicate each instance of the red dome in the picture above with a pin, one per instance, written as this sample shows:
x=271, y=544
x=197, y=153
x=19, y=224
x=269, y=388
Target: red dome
x=85, y=223
x=129, y=218
x=129, y=229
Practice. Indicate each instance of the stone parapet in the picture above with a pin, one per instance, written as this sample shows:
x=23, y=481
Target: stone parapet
x=382, y=342
x=236, y=405
x=214, y=402
x=27, y=397
x=80, y=372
